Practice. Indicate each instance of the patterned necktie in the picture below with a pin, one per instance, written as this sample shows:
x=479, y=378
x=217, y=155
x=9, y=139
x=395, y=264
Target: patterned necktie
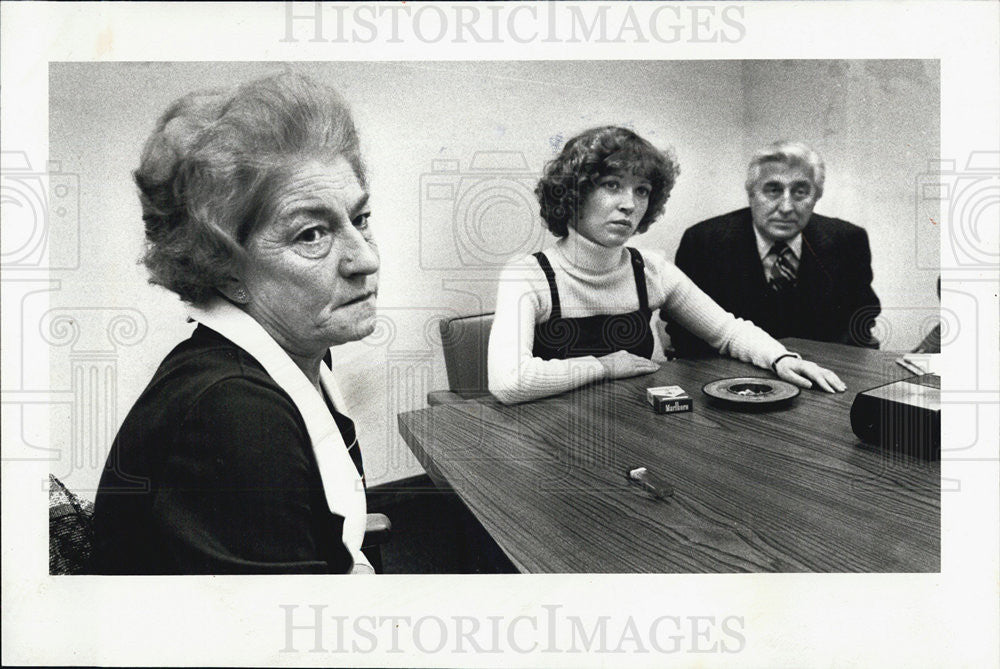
x=785, y=268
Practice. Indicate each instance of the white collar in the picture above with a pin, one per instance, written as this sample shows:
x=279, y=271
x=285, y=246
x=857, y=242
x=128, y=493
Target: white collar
x=764, y=245
x=587, y=255
x=342, y=485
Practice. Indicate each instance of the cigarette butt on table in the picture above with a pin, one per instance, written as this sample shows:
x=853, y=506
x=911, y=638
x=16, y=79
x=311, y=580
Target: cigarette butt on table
x=650, y=482
x=910, y=366
x=669, y=399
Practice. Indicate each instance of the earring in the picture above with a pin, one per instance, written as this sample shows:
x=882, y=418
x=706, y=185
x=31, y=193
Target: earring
x=241, y=295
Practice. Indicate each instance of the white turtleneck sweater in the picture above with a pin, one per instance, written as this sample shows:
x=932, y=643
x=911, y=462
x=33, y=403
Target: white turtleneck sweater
x=595, y=280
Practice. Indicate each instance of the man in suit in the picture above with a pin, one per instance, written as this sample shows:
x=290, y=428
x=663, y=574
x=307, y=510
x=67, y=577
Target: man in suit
x=790, y=271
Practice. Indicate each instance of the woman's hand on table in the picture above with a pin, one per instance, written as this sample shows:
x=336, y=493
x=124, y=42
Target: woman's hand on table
x=808, y=374
x=622, y=364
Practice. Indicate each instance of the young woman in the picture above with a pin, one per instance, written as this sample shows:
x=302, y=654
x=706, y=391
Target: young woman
x=580, y=311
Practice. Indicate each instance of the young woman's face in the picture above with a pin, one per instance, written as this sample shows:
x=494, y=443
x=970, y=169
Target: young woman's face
x=613, y=210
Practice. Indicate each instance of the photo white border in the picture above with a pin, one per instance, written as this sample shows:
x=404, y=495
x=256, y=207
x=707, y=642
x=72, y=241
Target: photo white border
x=933, y=620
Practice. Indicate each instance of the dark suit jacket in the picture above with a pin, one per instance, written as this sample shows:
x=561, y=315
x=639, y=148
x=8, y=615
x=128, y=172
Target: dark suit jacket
x=213, y=472
x=833, y=301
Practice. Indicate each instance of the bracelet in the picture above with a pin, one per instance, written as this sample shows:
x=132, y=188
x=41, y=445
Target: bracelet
x=774, y=365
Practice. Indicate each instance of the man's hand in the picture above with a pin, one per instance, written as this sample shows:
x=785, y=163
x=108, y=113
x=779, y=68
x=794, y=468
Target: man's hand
x=622, y=364
x=807, y=374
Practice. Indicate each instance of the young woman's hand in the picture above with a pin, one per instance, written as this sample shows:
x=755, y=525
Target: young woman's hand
x=808, y=374
x=622, y=364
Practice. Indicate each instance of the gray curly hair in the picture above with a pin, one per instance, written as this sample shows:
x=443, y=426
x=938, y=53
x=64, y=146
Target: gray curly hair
x=211, y=163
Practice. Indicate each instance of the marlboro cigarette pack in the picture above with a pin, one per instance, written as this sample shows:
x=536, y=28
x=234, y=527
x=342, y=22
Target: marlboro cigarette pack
x=669, y=399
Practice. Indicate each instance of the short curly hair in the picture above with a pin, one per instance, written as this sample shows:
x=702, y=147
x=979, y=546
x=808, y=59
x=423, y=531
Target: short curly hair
x=209, y=167
x=573, y=174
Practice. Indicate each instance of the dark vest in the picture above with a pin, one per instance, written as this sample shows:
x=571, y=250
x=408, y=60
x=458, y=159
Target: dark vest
x=561, y=338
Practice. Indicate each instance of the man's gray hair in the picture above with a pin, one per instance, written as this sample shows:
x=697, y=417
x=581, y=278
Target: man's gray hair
x=792, y=154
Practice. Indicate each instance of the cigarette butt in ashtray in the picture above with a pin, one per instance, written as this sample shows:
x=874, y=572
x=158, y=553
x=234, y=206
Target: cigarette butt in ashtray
x=669, y=399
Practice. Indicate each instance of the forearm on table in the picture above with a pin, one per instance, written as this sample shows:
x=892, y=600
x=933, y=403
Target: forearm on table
x=514, y=373
x=533, y=378
x=735, y=337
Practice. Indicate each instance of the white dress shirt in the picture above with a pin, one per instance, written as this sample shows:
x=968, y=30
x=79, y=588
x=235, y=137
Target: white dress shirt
x=767, y=258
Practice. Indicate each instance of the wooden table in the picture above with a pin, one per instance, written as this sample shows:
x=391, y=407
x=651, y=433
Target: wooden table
x=790, y=490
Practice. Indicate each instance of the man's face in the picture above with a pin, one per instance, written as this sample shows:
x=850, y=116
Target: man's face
x=782, y=200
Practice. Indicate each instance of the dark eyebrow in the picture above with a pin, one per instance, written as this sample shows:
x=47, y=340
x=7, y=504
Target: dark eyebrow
x=361, y=203
x=790, y=184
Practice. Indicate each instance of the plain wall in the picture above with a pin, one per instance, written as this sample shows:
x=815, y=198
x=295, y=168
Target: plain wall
x=876, y=123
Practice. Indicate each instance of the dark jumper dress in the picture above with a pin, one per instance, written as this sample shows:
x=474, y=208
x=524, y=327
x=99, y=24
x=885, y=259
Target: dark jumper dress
x=561, y=338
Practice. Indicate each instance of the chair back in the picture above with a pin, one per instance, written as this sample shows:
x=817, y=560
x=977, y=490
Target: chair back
x=71, y=532
x=465, y=341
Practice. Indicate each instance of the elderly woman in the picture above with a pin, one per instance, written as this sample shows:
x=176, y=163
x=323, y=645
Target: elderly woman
x=580, y=311
x=237, y=457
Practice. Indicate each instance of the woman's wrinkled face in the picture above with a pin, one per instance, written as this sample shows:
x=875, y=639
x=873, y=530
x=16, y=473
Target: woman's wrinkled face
x=312, y=269
x=611, y=213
